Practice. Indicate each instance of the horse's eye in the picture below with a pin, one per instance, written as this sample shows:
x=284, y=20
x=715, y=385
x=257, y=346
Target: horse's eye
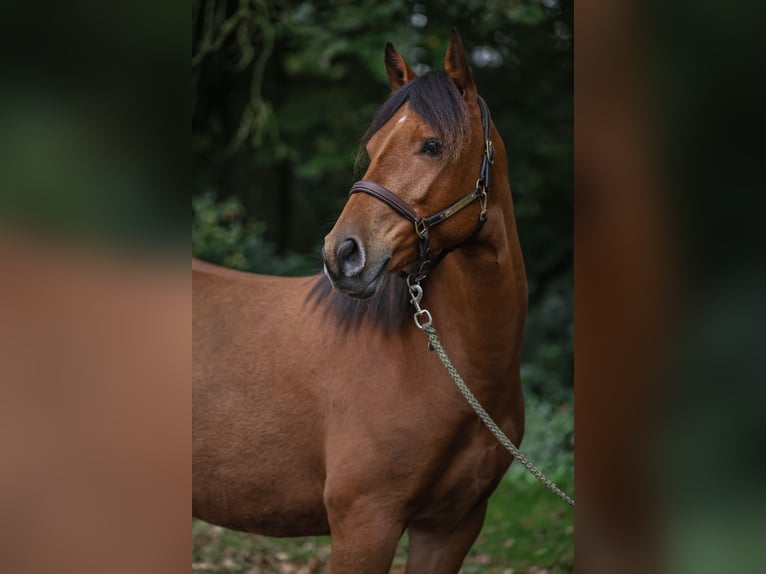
x=432, y=148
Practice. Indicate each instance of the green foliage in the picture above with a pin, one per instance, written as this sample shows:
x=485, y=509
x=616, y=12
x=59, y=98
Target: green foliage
x=223, y=234
x=548, y=442
x=547, y=357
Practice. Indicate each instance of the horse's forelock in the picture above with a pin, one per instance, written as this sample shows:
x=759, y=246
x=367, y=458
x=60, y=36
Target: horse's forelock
x=437, y=101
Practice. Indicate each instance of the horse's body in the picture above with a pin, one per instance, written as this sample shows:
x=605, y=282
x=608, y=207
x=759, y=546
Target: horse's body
x=308, y=422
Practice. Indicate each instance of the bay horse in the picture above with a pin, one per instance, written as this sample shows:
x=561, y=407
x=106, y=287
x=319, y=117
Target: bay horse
x=317, y=406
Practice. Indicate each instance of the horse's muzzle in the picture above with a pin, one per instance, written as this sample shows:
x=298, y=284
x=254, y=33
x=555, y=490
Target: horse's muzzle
x=347, y=267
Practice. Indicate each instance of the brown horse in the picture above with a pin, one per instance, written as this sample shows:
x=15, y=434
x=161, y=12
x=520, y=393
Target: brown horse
x=318, y=407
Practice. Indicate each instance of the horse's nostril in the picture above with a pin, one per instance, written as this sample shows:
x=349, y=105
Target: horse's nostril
x=350, y=256
x=347, y=249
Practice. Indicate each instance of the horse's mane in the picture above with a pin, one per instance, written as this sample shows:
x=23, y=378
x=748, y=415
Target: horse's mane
x=434, y=97
x=389, y=309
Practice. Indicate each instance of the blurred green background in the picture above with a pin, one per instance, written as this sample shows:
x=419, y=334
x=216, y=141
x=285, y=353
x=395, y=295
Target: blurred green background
x=281, y=94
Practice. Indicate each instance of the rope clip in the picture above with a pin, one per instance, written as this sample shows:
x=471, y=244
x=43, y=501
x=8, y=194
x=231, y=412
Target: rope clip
x=422, y=316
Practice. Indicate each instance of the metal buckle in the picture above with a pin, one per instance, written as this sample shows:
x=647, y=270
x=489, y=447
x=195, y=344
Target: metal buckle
x=421, y=228
x=483, y=203
x=489, y=151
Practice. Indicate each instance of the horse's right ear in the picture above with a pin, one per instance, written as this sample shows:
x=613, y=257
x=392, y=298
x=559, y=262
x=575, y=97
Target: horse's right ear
x=399, y=73
x=456, y=65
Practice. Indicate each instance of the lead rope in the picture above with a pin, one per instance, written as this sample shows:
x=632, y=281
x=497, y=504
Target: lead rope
x=423, y=320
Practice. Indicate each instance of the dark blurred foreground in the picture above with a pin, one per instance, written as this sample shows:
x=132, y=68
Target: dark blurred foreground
x=95, y=409
x=95, y=304
x=669, y=288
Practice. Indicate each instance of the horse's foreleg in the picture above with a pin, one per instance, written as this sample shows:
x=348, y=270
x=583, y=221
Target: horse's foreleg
x=364, y=538
x=436, y=551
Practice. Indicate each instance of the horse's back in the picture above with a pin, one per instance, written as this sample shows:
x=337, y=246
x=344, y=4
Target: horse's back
x=242, y=347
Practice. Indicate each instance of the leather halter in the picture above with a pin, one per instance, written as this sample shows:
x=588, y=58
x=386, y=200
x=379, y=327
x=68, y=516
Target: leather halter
x=426, y=260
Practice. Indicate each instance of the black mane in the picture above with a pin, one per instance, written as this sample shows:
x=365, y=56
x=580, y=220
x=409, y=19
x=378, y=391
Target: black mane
x=389, y=309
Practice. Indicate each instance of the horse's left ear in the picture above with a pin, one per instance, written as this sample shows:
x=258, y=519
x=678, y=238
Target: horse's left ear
x=456, y=65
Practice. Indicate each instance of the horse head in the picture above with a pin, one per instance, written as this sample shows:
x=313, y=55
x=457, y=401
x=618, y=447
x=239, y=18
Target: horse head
x=426, y=146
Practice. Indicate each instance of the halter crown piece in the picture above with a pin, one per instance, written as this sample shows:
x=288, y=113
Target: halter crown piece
x=426, y=260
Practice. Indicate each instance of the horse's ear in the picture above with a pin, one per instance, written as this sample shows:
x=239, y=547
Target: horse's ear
x=399, y=73
x=456, y=65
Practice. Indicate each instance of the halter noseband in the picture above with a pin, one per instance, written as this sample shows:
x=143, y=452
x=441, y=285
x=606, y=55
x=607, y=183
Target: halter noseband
x=427, y=262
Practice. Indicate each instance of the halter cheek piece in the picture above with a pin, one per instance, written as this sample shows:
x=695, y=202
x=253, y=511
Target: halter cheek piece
x=426, y=260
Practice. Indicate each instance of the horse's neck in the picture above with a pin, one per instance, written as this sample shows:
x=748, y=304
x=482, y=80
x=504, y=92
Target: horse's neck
x=480, y=295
